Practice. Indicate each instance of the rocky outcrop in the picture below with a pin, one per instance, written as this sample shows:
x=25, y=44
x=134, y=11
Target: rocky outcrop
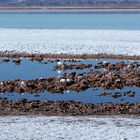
x=105, y=75
x=24, y=107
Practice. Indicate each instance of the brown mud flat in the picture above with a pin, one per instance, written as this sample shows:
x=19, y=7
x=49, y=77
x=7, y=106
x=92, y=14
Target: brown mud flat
x=118, y=94
x=63, y=67
x=24, y=107
x=114, y=76
x=13, y=54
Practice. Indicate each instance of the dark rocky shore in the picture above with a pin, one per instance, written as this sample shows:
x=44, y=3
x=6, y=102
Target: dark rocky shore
x=24, y=107
x=104, y=74
x=13, y=54
x=114, y=76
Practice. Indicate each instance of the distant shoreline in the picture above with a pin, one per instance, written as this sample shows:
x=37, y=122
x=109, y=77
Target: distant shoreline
x=67, y=7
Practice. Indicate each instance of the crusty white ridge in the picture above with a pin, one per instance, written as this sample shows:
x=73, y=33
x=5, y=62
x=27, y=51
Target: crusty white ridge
x=51, y=41
x=70, y=128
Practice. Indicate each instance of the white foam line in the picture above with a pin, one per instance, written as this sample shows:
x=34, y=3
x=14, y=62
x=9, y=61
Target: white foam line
x=69, y=128
x=126, y=42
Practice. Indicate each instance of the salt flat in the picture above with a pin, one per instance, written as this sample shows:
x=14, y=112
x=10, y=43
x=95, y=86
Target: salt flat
x=70, y=128
x=126, y=42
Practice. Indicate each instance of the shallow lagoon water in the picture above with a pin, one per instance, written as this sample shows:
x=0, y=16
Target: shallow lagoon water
x=28, y=70
x=71, y=19
x=88, y=96
x=33, y=69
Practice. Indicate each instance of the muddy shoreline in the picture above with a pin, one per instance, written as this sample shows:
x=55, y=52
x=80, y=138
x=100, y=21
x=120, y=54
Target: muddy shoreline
x=13, y=54
x=24, y=107
x=103, y=74
x=112, y=76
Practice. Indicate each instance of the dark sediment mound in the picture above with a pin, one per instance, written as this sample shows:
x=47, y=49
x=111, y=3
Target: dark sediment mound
x=24, y=107
x=13, y=54
x=104, y=74
x=63, y=67
x=115, y=76
x=119, y=94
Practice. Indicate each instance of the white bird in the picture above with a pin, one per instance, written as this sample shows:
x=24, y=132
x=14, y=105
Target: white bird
x=22, y=84
x=67, y=91
x=59, y=72
x=128, y=66
x=63, y=80
x=60, y=62
x=1, y=83
x=68, y=80
x=80, y=77
x=104, y=62
x=41, y=78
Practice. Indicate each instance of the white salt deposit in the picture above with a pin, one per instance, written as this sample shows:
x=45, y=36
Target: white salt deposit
x=71, y=41
x=69, y=128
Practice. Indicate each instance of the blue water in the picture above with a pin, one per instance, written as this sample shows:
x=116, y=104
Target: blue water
x=63, y=20
x=70, y=19
x=28, y=70
x=88, y=96
x=34, y=69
